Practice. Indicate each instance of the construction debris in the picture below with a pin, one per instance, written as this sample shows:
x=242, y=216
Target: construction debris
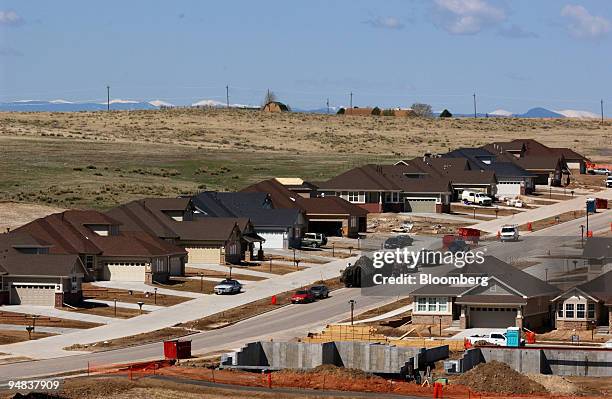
x=497, y=377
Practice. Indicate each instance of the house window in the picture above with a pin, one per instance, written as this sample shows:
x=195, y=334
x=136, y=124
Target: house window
x=580, y=307
x=432, y=304
x=560, y=311
x=442, y=305
x=591, y=311
x=422, y=305
x=392, y=197
x=89, y=262
x=569, y=310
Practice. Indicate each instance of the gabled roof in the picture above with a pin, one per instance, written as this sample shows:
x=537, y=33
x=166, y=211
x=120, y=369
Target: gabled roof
x=501, y=166
x=597, y=248
x=524, y=284
x=599, y=288
x=68, y=233
x=252, y=205
x=21, y=239
x=282, y=197
x=147, y=215
x=41, y=265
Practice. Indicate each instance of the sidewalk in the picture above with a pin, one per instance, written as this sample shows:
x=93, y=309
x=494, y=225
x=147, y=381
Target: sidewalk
x=578, y=203
x=142, y=287
x=235, y=269
x=203, y=306
x=126, y=305
x=43, y=329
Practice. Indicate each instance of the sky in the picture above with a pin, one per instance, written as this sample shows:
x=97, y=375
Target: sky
x=513, y=54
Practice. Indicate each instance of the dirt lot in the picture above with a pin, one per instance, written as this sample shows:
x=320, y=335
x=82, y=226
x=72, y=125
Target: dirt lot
x=10, y=336
x=108, y=311
x=386, y=222
x=13, y=215
x=91, y=291
x=383, y=309
x=187, y=284
x=140, y=339
x=566, y=336
x=26, y=320
x=119, y=156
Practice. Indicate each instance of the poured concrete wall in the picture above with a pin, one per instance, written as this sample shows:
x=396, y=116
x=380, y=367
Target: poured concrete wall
x=370, y=357
x=558, y=361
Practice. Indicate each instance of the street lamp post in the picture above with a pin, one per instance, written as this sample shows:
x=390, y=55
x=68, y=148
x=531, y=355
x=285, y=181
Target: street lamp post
x=352, y=303
x=201, y=282
x=115, y=300
x=155, y=295
x=582, y=235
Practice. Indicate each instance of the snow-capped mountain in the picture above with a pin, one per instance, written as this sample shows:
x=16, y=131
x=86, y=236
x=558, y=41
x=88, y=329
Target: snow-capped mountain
x=160, y=103
x=572, y=113
x=68, y=106
x=501, y=112
x=220, y=104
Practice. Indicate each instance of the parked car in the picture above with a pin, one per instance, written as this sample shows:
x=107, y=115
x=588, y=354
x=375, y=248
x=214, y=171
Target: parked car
x=319, y=291
x=509, y=232
x=601, y=171
x=471, y=197
x=302, y=296
x=314, y=240
x=498, y=338
x=228, y=286
x=458, y=246
x=609, y=181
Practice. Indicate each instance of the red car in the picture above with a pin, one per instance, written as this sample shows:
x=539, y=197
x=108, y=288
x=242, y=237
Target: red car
x=302, y=296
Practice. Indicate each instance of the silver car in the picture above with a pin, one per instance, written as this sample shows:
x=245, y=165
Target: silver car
x=228, y=286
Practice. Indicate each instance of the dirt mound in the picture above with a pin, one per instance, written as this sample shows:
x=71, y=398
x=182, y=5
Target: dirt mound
x=498, y=377
x=556, y=384
x=400, y=241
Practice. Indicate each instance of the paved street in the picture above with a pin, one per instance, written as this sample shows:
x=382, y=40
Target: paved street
x=578, y=203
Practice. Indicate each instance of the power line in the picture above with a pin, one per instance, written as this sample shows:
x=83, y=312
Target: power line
x=107, y=98
x=227, y=95
x=475, y=114
x=602, y=112
x=351, y=101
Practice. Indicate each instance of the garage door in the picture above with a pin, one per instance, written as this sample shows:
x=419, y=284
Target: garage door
x=509, y=189
x=33, y=294
x=176, y=268
x=327, y=227
x=573, y=165
x=492, y=317
x=274, y=239
x=124, y=272
x=420, y=205
x=204, y=255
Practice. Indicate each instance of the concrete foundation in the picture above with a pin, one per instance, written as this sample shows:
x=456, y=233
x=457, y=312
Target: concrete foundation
x=549, y=360
x=370, y=357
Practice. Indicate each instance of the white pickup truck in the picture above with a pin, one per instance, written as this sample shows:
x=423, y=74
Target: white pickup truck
x=471, y=197
x=509, y=232
x=494, y=338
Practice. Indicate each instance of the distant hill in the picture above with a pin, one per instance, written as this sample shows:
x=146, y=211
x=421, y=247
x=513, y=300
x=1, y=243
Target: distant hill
x=67, y=106
x=539, y=112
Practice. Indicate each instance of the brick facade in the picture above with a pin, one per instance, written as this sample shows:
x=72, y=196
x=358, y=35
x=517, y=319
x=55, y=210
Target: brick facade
x=71, y=298
x=422, y=319
x=574, y=325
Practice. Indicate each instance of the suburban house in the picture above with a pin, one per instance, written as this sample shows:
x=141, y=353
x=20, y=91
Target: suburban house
x=512, y=180
x=457, y=170
x=330, y=215
x=511, y=298
x=280, y=228
x=29, y=275
x=390, y=188
x=549, y=165
x=218, y=240
x=585, y=306
x=106, y=250
x=597, y=253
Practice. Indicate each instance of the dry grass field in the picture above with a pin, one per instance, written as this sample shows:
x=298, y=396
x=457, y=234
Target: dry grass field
x=98, y=159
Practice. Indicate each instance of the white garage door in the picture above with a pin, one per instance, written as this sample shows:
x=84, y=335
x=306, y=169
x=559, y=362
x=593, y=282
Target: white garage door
x=33, y=294
x=573, y=165
x=492, y=317
x=124, y=272
x=204, y=255
x=274, y=239
x=420, y=205
x=509, y=189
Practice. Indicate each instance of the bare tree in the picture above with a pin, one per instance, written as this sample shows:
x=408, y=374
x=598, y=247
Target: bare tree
x=270, y=97
x=422, y=110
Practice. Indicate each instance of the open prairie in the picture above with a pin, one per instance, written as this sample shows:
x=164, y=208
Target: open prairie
x=98, y=159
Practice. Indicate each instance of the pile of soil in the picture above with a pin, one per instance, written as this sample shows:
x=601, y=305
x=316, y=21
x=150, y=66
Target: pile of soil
x=555, y=384
x=497, y=377
x=399, y=241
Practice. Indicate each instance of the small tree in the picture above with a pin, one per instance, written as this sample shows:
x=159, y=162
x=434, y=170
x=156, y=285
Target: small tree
x=341, y=111
x=269, y=97
x=375, y=111
x=446, y=114
x=422, y=110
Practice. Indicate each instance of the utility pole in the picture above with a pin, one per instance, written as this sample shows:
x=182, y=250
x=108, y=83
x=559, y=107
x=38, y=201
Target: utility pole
x=327, y=103
x=108, y=98
x=475, y=115
x=602, y=113
x=351, y=101
x=227, y=95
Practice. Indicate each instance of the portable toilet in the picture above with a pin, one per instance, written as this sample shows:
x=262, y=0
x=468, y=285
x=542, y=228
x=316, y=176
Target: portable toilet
x=513, y=337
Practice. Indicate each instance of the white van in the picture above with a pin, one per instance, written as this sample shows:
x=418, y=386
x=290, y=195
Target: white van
x=471, y=197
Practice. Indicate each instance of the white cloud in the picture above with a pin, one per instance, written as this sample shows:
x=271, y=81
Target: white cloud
x=385, y=22
x=466, y=17
x=584, y=25
x=10, y=18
